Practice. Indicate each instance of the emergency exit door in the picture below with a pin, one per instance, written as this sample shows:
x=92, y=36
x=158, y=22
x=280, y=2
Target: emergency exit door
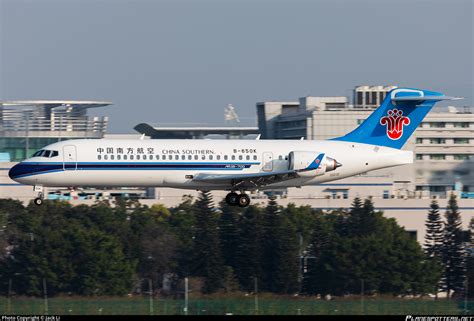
x=267, y=161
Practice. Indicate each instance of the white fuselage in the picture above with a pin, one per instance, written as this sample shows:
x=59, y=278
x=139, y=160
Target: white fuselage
x=173, y=163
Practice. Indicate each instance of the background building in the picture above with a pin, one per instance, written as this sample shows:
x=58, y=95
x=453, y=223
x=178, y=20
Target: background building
x=26, y=126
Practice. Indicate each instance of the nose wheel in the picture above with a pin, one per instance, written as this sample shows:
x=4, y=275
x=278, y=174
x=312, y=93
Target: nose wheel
x=234, y=199
x=39, y=200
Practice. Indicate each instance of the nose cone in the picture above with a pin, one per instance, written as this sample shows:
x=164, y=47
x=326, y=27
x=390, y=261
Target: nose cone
x=17, y=171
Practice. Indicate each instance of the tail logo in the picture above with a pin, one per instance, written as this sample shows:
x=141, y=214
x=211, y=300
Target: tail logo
x=395, y=122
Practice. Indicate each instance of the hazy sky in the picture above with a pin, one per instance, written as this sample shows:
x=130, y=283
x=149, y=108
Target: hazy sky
x=184, y=61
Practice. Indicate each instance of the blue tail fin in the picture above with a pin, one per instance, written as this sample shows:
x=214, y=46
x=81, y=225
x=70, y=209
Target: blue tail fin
x=393, y=122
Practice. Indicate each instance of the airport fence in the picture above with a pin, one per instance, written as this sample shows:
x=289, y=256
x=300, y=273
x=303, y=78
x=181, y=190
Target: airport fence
x=247, y=305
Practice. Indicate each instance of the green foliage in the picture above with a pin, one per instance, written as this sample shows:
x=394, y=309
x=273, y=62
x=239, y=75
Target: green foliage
x=107, y=249
x=207, y=253
x=382, y=259
x=453, y=250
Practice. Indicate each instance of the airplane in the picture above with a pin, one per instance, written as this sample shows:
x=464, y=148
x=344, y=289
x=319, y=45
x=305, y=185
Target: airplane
x=236, y=166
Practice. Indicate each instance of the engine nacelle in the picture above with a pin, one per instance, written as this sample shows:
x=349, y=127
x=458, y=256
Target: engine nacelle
x=310, y=164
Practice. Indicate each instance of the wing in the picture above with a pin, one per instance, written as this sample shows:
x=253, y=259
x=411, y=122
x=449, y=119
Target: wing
x=249, y=181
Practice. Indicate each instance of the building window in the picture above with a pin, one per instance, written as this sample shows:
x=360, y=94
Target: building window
x=461, y=125
x=367, y=98
x=419, y=140
x=461, y=157
x=437, y=156
x=374, y=98
x=437, y=125
x=359, y=98
x=437, y=141
x=419, y=156
x=461, y=140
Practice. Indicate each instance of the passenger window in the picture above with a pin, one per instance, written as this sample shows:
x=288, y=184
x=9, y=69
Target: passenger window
x=131, y=157
x=170, y=157
x=218, y=157
x=210, y=157
x=105, y=157
x=203, y=157
x=254, y=157
x=99, y=157
x=190, y=157
x=240, y=157
x=196, y=157
x=112, y=157
x=280, y=157
x=233, y=157
x=248, y=157
x=125, y=157
x=138, y=157
x=225, y=157
x=118, y=157
x=183, y=157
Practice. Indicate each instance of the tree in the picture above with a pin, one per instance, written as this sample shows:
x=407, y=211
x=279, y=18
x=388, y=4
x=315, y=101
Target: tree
x=208, y=261
x=434, y=232
x=229, y=232
x=470, y=260
x=280, y=251
x=453, y=250
x=250, y=248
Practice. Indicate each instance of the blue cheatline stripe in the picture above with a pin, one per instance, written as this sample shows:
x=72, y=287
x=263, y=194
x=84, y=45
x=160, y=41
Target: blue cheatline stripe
x=356, y=184
x=13, y=184
x=29, y=169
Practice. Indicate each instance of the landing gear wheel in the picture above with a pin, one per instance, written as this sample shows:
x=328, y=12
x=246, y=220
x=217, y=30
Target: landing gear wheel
x=39, y=200
x=232, y=198
x=243, y=200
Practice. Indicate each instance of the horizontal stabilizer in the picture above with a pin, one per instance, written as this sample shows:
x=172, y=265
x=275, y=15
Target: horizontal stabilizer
x=425, y=98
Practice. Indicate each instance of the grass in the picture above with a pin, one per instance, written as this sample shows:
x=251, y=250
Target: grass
x=244, y=305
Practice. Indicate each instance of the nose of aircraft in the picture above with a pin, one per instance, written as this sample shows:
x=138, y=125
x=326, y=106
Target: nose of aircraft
x=17, y=171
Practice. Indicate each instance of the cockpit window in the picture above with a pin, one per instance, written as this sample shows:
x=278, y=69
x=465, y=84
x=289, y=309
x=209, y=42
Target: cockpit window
x=46, y=153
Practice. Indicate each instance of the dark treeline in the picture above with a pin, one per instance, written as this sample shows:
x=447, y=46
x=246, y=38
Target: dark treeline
x=115, y=250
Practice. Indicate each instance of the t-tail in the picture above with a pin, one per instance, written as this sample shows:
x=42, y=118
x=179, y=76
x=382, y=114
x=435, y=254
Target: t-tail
x=393, y=122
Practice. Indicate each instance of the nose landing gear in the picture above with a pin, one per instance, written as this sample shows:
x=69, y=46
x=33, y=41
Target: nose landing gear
x=39, y=200
x=234, y=199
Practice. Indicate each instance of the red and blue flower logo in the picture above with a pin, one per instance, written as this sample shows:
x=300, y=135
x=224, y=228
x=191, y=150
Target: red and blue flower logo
x=395, y=122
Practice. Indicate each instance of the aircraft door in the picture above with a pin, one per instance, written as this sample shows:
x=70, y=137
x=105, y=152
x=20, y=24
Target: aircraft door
x=267, y=161
x=70, y=158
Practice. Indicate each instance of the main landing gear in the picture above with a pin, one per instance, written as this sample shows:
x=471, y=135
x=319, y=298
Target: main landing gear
x=234, y=199
x=39, y=200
